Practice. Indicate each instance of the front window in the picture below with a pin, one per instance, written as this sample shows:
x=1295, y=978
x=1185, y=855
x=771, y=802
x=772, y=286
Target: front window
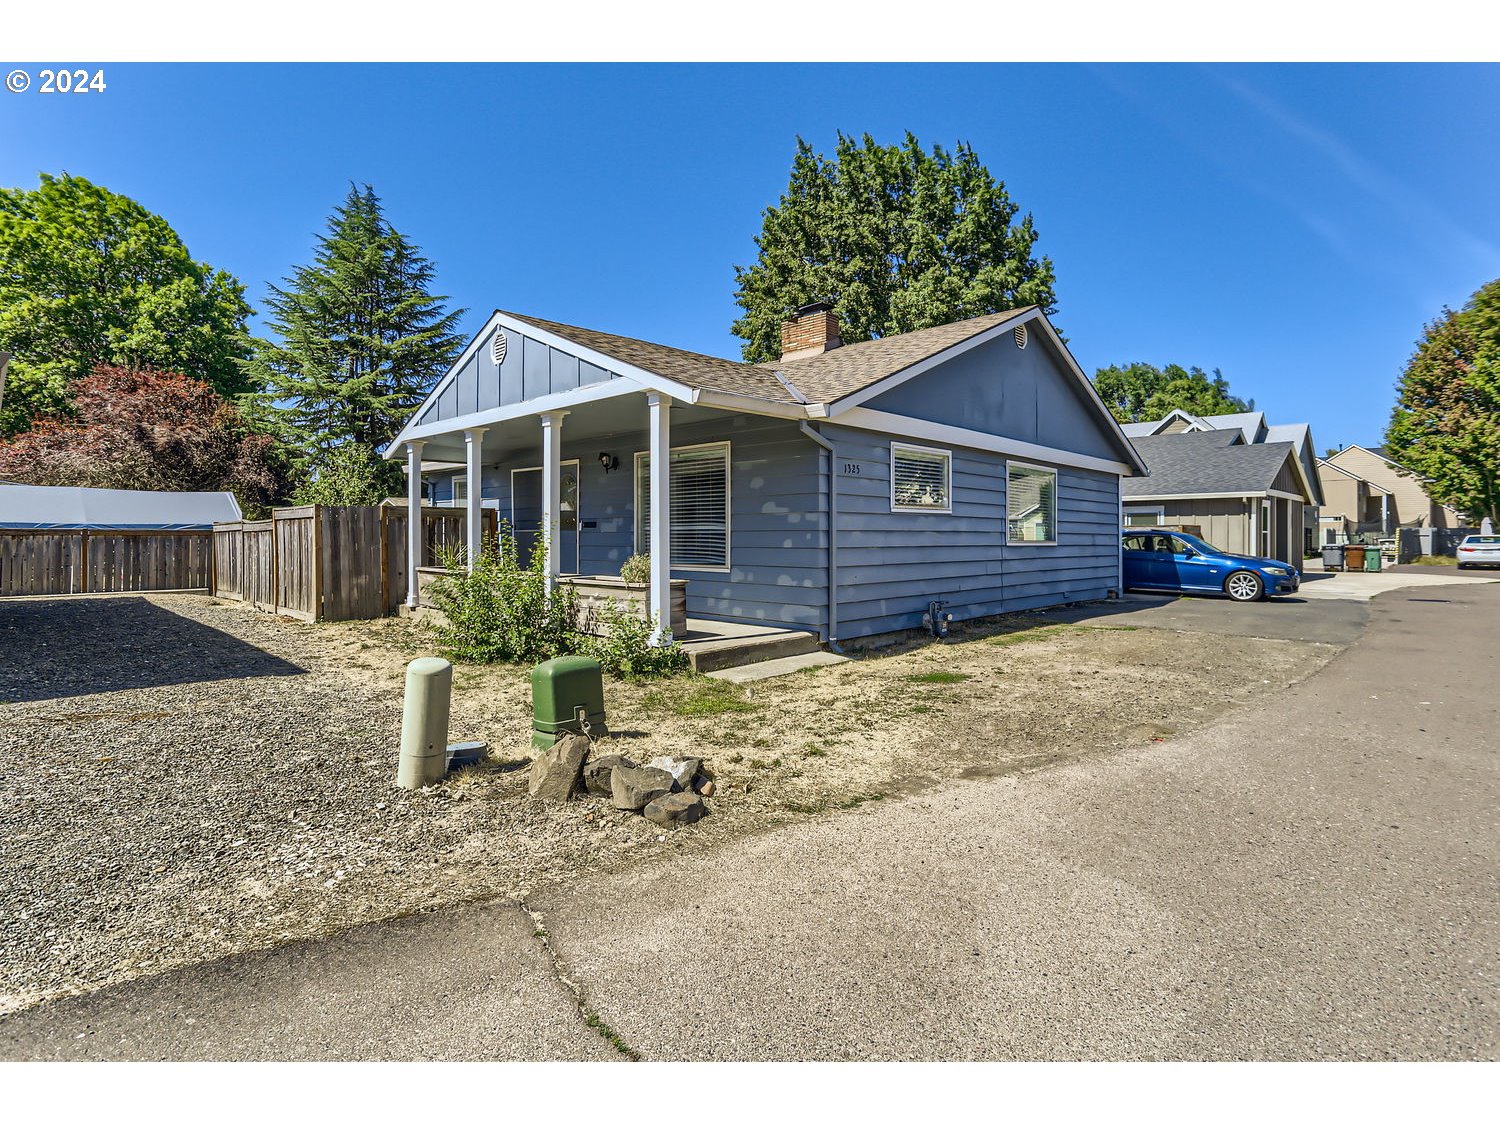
x=700, y=506
x=1031, y=502
x=921, y=479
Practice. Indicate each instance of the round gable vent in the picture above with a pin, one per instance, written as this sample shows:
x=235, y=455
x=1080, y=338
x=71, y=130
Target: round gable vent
x=1019, y=332
x=497, y=347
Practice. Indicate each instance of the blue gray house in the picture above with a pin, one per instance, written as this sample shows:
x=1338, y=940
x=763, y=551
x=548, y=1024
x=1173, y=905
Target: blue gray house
x=839, y=490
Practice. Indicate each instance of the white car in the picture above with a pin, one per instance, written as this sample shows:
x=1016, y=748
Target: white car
x=1479, y=550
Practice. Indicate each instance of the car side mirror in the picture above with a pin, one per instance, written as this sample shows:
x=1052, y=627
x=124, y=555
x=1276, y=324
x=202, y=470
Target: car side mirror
x=1188, y=552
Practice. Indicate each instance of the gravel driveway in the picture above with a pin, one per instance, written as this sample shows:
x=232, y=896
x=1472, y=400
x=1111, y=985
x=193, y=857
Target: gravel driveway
x=182, y=779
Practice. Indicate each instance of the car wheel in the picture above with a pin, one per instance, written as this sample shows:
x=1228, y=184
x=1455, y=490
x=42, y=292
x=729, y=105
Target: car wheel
x=1243, y=586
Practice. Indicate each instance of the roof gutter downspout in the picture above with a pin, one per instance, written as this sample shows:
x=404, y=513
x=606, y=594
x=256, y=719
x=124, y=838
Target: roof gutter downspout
x=833, y=533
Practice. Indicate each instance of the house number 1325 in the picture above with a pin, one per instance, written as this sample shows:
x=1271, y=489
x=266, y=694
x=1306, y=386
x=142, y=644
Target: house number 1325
x=851, y=468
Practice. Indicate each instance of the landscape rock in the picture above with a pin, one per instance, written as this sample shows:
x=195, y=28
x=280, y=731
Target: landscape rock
x=635, y=787
x=555, y=773
x=683, y=770
x=707, y=788
x=596, y=773
x=675, y=809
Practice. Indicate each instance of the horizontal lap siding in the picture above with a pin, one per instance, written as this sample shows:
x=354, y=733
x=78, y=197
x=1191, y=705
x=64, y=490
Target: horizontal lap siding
x=892, y=564
x=778, y=516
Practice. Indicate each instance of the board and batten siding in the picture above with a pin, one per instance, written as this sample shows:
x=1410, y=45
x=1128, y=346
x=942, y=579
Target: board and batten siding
x=1224, y=522
x=778, y=516
x=892, y=564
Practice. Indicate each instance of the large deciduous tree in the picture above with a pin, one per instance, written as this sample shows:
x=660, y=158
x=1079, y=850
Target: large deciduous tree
x=1141, y=392
x=87, y=277
x=896, y=236
x=1446, y=422
x=145, y=429
x=362, y=339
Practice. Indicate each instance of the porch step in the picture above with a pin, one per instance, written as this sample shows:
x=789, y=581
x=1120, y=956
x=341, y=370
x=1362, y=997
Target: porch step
x=716, y=653
x=783, y=666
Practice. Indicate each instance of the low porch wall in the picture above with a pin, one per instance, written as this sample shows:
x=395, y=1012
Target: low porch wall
x=594, y=591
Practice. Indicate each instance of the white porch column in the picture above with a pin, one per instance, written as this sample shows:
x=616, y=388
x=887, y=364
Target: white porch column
x=474, y=502
x=661, y=513
x=552, y=492
x=413, y=518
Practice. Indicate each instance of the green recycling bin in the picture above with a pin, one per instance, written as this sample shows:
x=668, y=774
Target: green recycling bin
x=1372, y=558
x=567, y=694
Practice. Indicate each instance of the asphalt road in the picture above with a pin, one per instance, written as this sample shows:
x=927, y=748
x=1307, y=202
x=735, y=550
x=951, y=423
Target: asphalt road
x=1311, y=878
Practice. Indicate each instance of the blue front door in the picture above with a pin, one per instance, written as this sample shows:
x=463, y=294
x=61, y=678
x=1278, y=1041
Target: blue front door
x=526, y=514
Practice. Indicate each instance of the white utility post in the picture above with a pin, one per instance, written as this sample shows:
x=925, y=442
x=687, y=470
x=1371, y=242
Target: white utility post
x=474, y=502
x=413, y=518
x=552, y=493
x=661, y=513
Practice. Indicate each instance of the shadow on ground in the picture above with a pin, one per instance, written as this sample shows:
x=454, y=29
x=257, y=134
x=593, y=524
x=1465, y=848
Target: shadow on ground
x=54, y=648
x=1285, y=619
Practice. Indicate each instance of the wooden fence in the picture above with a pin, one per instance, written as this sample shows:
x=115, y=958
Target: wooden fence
x=68, y=561
x=326, y=563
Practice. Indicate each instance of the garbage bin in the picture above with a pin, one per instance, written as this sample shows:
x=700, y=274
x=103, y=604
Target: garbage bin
x=561, y=688
x=1354, y=556
x=1372, y=558
x=1333, y=556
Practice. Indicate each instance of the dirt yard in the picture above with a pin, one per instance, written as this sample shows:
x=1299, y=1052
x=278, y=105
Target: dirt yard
x=184, y=779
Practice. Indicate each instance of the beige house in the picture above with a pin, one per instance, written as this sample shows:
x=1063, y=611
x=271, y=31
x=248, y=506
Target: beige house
x=1245, y=498
x=1366, y=492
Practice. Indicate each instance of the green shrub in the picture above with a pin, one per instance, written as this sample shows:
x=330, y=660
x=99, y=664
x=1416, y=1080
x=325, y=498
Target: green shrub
x=501, y=611
x=636, y=570
x=627, y=652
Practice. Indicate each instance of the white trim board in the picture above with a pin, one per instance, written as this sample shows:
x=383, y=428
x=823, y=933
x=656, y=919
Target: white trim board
x=900, y=426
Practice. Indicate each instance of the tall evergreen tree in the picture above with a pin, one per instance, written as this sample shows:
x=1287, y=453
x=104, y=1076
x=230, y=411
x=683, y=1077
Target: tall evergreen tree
x=362, y=339
x=88, y=276
x=898, y=237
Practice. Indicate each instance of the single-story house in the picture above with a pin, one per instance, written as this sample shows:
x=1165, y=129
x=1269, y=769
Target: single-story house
x=839, y=490
x=1253, y=427
x=34, y=507
x=1243, y=497
x=1368, y=493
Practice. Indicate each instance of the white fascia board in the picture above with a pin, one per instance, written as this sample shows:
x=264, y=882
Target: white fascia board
x=680, y=391
x=565, y=400
x=749, y=404
x=900, y=426
x=1211, y=496
x=1289, y=496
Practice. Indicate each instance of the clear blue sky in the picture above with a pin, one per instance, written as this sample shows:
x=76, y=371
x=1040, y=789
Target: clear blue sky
x=1294, y=226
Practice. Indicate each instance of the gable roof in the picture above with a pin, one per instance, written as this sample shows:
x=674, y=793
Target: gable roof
x=1324, y=463
x=1211, y=463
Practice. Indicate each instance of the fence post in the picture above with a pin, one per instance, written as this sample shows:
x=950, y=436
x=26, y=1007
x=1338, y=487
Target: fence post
x=83, y=550
x=317, y=562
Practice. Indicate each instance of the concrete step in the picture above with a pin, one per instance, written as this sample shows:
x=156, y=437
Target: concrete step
x=735, y=652
x=782, y=666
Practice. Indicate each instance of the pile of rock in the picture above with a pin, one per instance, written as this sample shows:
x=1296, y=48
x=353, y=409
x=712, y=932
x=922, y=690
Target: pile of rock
x=667, y=791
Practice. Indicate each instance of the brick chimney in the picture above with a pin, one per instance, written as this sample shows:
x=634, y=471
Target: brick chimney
x=813, y=329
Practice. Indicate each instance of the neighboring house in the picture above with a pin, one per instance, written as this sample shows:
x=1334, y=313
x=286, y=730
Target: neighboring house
x=1368, y=493
x=1243, y=498
x=840, y=489
x=1253, y=427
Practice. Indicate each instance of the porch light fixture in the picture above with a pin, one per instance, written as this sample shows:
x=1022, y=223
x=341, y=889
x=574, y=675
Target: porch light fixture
x=609, y=461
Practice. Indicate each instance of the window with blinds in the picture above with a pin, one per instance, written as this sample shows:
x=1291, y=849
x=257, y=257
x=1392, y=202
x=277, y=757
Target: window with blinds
x=1031, y=503
x=921, y=479
x=700, y=505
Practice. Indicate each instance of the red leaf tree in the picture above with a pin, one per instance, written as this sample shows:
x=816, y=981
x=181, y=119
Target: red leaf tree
x=146, y=429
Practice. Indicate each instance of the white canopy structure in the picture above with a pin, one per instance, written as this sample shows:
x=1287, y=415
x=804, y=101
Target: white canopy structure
x=37, y=507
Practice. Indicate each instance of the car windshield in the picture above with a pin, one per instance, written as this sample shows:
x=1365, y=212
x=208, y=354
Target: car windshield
x=1486, y=540
x=1202, y=546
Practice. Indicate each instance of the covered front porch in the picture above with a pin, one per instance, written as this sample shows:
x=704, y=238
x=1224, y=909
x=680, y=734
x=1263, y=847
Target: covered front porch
x=627, y=470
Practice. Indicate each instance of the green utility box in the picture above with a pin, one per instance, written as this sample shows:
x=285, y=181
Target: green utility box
x=1372, y=558
x=560, y=688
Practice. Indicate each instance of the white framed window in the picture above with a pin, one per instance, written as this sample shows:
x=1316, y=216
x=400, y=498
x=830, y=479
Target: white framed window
x=921, y=479
x=460, y=492
x=1144, y=517
x=1031, y=504
x=700, y=506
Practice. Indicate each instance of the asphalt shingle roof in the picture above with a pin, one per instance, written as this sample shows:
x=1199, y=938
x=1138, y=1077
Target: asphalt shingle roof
x=1217, y=461
x=825, y=377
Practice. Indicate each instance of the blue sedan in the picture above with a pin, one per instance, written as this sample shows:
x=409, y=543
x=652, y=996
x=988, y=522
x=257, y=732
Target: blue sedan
x=1172, y=560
